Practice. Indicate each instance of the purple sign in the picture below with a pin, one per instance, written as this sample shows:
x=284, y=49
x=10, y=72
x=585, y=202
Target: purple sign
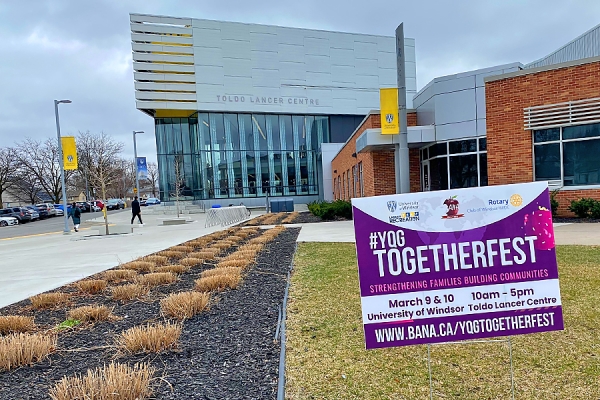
x=457, y=265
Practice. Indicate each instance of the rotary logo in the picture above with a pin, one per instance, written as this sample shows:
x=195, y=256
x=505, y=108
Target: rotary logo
x=516, y=200
x=452, y=205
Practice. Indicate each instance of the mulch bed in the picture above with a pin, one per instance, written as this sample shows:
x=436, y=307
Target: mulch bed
x=302, y=218
x=225, y=352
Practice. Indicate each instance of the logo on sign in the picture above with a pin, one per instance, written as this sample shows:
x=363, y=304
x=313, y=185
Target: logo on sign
x=389, y=118
x=452, y=205
x=392, y=205
x=405, y=217
x=70, y=158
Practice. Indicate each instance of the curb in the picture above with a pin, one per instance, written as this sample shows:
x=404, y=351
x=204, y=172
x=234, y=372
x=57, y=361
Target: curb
x=281, y=330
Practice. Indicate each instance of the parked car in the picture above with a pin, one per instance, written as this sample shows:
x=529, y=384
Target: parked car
x=34, y=215
x=98, y=204
x=15, y=212
x=94, y=207
x=115, y=204
x=43, y=213
x=59, y=211
x=84, y=206
x=7, y=221
x=48, y=207
x=151, y=201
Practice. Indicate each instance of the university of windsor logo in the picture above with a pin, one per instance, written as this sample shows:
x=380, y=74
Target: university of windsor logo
x=389, y=118
x=392, y=205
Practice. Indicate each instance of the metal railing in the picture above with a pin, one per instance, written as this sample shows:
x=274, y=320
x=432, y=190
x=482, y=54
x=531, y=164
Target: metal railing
x=226, y=215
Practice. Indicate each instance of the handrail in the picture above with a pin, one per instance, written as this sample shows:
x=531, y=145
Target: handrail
x=226, y=215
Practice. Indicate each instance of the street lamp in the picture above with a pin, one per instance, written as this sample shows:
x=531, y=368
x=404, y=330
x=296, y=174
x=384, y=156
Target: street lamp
x=137, y=183
x=62, y=166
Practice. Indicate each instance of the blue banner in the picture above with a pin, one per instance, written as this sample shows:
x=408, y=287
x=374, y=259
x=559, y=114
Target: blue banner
x=142, y=168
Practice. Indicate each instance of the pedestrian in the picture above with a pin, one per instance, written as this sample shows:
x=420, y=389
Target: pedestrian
x=136, y=210
x=75, y=214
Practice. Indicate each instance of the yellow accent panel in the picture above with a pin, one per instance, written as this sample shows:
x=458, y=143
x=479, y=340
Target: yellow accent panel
x=168, y=53
x=388, y=100
x=173, y=113
x=172, y=44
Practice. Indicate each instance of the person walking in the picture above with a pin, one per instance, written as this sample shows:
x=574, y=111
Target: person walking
x=136, y=210
x=75, y=215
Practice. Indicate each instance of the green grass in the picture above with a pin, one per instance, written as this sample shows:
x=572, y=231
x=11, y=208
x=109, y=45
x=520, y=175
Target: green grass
x=326, y=358
x=69, y=323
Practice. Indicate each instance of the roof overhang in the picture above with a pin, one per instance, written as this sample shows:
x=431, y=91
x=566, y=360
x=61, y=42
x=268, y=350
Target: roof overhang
x=372, y=140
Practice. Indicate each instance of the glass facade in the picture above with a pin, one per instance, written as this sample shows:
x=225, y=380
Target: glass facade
x=568, y=155
x=454, y=164
x=221, y=155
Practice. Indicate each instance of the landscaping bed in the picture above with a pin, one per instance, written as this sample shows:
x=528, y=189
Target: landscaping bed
x=283, y=218
x=226, y=351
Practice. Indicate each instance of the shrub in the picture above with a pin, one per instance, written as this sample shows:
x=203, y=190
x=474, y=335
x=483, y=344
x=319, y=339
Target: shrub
x=184, y=305
x=157, y=278
x=139, y=266
x=553, y=202
x=595, y=210
x=15, y=324
x=150, y=338
x=19, y=349
x=331, y=210
x=115, y=381
x=90, y=313
x=129, y=292
x=91, y=286
x=217, y=282
x=115, y=275
x=49, y=300
x=582, y=207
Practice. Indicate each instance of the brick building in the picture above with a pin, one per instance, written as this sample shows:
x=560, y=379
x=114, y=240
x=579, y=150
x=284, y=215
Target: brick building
x=511, y=123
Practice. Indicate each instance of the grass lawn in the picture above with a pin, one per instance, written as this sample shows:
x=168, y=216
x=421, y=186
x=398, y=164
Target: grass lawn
x=326, y=358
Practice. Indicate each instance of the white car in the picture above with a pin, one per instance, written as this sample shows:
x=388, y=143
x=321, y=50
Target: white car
x=7, y=221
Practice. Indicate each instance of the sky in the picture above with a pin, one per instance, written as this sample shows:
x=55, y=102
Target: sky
x=81, y=49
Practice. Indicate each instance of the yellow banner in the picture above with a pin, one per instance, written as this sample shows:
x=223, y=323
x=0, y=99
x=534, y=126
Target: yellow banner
x=69, y=152
x=388, y=105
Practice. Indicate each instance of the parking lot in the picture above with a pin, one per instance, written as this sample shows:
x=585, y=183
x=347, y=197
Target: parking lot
x=47, y=226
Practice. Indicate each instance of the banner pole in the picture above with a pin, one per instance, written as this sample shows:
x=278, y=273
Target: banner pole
x=512, y=373
x=429, y=366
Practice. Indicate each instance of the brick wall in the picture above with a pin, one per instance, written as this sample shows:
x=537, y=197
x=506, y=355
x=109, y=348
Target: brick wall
x=414, y=170
x=379, y=175
x=509, y=146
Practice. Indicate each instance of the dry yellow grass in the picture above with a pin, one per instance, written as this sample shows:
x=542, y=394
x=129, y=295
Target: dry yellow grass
x=235, y=239
x=220, y=245
x=206, y=254
x=157, y=278
x=90, y=313
x=91, y=286
x=49, y=300
x=191, y=261
x=290, y=218
x=217, y=282
x=156, y=259
x=129, y=292
x=176, y=269
x=172, y=254
x=221, y=271
x=182, y=247
x=116, y=275
x=16, y=324
x=19, y=349
x=239, y=263
x=256, y=247
x=139, y=266
x=184, y=305
x=111, y=382
x=241, y=254
x=150, y=338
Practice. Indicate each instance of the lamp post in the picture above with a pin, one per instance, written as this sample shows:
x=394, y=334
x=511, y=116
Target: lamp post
x=137, y=182
x=62, y=166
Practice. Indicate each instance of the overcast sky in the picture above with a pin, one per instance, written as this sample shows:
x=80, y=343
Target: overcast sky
x=81, y=50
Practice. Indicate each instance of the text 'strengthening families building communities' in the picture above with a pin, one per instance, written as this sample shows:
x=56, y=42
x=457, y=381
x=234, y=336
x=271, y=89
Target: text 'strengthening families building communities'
x=251, y=110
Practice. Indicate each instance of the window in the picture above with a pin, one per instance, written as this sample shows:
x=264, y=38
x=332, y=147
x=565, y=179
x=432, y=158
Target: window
x=568, y=155
x=362, y=183
x=343, y=185
x=348, y=184
x=354, y=181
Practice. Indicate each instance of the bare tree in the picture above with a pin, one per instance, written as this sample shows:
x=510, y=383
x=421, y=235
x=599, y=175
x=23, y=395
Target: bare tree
x=26, y=188
x=100, y=156
x=40, y=161
x=8, y=170
x=152, y=179
x=179, y=181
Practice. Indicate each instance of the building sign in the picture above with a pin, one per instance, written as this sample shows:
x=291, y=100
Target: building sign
x=142, y=168
x=69, y=151
x=457, y=264
x=390, y=121
x=300, y=101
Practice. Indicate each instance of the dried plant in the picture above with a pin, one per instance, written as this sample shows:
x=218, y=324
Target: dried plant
x=19, y=349
x=191, y=261
x=181, y=247
x=150, y=338
x=15, y=324
x=139, y=266
x=172, y=254
x=217, y=283
x=91, y=286
x=115, y=275
x=207, y=254
x=49, y=300
x=129, y=292
x=239, y=263
x=90, y=313
x=256, y=247
x=156, y=259
x=290, y=218
x=184, y=305
x=115, y=381
x=175, y=269
x=157, y=278
x=222, y=245
x=241, y=254
x=235, y=239
x=222, y=271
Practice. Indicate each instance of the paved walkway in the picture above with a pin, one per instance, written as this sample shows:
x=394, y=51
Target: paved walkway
x=32, y=265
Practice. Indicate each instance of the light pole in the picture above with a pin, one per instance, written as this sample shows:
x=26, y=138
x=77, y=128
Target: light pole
x=137, y=183
x=62, y=166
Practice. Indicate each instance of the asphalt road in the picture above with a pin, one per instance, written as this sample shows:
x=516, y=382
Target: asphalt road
x=46, y=226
